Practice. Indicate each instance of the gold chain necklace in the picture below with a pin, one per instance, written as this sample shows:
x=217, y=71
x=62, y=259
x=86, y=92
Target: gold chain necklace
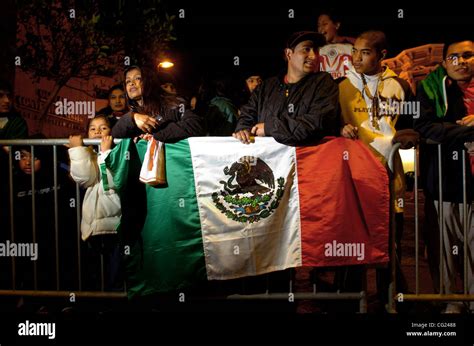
x=375, y=107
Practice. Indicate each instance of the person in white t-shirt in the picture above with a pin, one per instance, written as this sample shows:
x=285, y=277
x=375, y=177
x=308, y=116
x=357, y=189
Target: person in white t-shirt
x=335, y=57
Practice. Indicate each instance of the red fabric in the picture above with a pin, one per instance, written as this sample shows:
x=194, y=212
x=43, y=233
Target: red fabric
x=344, y=197
x=471, y=159
x=468, y=97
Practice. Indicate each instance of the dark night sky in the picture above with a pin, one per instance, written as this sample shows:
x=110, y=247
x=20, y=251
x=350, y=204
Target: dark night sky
x=212, y=33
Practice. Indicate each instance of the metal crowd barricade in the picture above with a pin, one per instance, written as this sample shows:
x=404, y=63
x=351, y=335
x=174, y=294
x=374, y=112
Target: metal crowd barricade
x=314, y=295
x=50, y=293
x=393, y=253
x=441, y=296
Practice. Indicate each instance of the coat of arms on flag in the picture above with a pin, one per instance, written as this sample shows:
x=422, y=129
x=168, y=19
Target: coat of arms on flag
x=249, y=194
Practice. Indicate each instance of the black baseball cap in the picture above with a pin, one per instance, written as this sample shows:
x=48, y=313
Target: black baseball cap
x=318, y=39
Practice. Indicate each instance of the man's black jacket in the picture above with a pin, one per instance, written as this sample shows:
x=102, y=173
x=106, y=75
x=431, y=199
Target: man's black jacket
x=307, y=114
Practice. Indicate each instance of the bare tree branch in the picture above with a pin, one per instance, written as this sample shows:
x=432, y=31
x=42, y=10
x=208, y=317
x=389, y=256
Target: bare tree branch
x=80, y=90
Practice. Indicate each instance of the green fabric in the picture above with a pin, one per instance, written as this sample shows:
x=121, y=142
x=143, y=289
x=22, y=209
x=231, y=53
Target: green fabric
x=103, y=174
x=433, y=85
x=118, y=161
x=226, y=107
x=168, y=253
x=221, y=117
x=122, y=160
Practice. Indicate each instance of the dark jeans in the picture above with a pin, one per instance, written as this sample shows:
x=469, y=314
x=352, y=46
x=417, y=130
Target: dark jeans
x=106, y=246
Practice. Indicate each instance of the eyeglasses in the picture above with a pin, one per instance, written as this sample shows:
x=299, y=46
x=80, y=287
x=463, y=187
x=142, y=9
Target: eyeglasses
x=454, y=58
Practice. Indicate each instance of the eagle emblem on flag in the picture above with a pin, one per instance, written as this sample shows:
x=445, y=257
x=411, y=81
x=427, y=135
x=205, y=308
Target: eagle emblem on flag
x=249, y=195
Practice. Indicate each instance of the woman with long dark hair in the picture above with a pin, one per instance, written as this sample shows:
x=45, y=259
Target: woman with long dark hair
x=164, y=116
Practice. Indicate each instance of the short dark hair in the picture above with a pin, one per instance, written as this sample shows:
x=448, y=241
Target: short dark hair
x=116, y=87
x=332, y=14
x=377, y=37
x=451, y=41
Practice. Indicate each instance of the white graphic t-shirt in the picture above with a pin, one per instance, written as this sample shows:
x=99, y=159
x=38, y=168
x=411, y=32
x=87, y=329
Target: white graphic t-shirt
x=336, y=59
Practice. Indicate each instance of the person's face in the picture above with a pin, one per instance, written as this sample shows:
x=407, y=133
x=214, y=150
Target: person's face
x=117, y=100
x=133, y=83
x=365, y=58
x=328, y=28
x=5, y=101
x=25, y=162
x=98, y=128
x=459, y=62
x=253, y=82
x=303, y=59
x=169, y=88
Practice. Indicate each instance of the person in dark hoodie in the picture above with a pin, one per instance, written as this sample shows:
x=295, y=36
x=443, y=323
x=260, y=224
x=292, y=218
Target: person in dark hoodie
x=152, y=112
x=12, y=126
x=221, y=112
x=297, y=108
x=43, y=218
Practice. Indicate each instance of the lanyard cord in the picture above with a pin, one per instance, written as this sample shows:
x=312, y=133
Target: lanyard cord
x=375, y=107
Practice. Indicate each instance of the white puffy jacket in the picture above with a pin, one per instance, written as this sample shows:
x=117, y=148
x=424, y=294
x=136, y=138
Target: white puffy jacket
x=101, y=210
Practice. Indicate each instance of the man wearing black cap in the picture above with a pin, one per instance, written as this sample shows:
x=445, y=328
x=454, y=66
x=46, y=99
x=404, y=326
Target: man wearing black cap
x=299, y=107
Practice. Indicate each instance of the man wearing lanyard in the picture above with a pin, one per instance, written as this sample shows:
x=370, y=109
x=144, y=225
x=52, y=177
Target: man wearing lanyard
x=373, y=99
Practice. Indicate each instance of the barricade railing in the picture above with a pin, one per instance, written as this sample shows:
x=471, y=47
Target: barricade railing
x=54, y=143
x=441, y=296
x=35, y=292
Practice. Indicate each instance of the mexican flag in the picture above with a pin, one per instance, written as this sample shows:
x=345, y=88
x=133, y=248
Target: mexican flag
x=231, y=210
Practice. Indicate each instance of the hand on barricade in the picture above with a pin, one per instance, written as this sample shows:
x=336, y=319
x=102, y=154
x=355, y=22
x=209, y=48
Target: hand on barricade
x=258, y=130
x=470, y=147
x=106, y=143
x=75, y=141
x=244, y=136
x=407, y=138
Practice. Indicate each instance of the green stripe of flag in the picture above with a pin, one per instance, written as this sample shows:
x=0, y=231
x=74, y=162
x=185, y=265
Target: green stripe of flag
x=168, y=254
